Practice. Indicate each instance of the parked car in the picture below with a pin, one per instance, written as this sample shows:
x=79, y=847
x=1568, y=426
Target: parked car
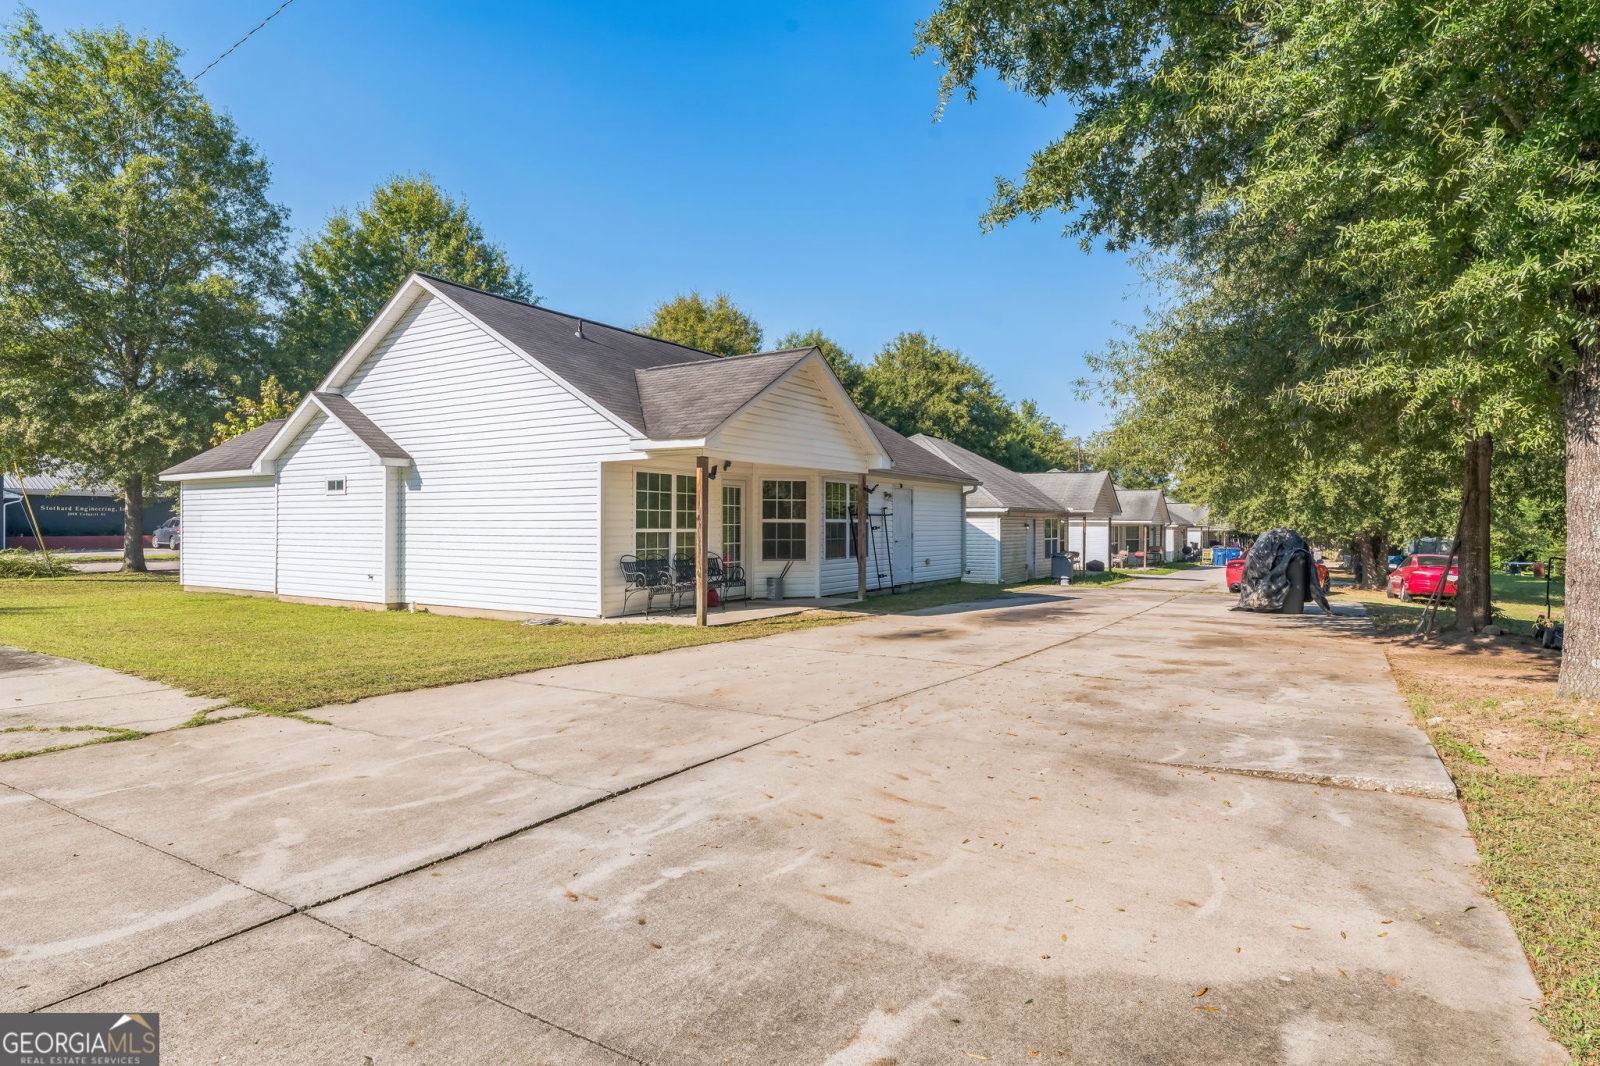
x=1419, y=575
x=168, y=535
x=1236, y=572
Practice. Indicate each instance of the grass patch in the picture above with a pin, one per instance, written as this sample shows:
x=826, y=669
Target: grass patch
x=1518, y=599
x=18, y=564
x=266, y=655
x=1528, y=768
x=112, y=733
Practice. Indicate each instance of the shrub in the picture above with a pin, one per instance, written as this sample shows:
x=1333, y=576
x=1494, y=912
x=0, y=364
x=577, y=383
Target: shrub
x=19, y=563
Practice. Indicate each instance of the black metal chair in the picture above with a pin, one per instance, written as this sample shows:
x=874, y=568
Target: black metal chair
x=724, y=576
x=682, y=577
x=650, y=577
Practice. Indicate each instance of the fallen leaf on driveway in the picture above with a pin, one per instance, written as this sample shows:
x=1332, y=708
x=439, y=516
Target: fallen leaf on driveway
x=1387, y=921
x=1203, y=990
x=1343, y=935
x=975, y=1055
x=1469, y=907
x=1341, y=972
x=1208, y=1008
x=1300, y=927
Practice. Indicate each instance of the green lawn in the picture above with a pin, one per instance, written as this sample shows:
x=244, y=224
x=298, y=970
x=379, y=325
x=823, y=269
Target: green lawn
x=1528, y=767
x=1518, y=600
x=266, y=655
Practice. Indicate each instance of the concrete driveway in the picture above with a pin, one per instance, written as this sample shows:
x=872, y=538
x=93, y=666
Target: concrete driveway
x=1102, y=826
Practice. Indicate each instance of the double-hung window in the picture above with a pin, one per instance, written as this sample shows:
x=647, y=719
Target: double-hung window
x=663, y=514
x=783, y=520
x=838, y=520
x=1052, y=537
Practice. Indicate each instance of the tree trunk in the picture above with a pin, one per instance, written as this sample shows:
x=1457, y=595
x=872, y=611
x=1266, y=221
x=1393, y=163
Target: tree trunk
x=1371, y=559
x=1472, y=554
x=133, y=525
x=1580, y=659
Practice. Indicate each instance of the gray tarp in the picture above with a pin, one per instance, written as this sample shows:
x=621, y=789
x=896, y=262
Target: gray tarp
x=1265, y=582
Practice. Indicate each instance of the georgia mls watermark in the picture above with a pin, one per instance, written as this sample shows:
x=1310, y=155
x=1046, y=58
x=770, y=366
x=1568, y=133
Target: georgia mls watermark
x=80, y=1039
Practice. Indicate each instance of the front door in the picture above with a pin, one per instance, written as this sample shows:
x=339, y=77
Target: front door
x=733, y=539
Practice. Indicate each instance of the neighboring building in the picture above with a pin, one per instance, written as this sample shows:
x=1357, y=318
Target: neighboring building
x=1192, y=525
x=1139, y=532
x=477, y=454
x=1013, y=526
x=72, y=512
x=1090, y=501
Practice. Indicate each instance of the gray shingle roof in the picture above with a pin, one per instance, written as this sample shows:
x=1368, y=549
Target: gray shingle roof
x=231, y=455
x=64, y=481
x=1141, y=506
x=1187, y=514
x=998, y=487
x=1080, y=492
x=689, y=400
x=365, y=429
x=601, y=364
x=912, y=459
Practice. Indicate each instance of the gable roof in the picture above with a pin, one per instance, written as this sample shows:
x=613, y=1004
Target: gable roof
x=911, y=458
x=601, y=363
x=689, y=400
x=1143, y=507
x=366, y=431
x=1086, y=492
x=235, y=455
x=998, y=488
x=1190, y=514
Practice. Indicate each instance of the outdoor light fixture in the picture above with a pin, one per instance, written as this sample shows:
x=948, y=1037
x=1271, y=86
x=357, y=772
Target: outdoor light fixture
x=726, y=463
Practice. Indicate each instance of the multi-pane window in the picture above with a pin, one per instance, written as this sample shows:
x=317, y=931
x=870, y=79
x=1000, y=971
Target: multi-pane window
x=783, y=520
x=662, y=524
x=838, y=520
x=1052, y=537
x=733, y=524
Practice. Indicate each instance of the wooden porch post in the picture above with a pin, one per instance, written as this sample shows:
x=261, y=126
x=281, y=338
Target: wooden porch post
x=1083, y=560
x=861, y=536
x=702, y=498
x=1144, y=544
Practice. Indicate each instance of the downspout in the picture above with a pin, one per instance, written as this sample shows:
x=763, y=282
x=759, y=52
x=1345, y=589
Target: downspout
x=964, y=494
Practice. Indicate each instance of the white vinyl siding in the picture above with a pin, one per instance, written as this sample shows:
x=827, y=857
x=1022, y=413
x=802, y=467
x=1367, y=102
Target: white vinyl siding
x=1092, y=546
x=1014, y=534
x=983, y=549
x=331, y=545
x=501, y=509
x=795, y=420
x=937, y=533
x=229, y=535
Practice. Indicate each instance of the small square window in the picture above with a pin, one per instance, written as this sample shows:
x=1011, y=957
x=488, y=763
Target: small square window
x=335, y=486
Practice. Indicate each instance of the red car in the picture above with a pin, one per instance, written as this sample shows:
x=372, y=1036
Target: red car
x=1418, y=575
x=1236, y=572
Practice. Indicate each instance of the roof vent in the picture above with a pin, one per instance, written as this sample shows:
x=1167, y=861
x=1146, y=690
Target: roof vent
x=579, y=334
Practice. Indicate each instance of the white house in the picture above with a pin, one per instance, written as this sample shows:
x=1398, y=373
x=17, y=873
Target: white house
x=475, y=454
x=1139, y=531
x=1192, y=525
x=1091, y=504
x=1012, y=528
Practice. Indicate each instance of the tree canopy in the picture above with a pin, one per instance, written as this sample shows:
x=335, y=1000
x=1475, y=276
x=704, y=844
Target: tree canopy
x=343, y=276
x=139, y=258
x=714, y=326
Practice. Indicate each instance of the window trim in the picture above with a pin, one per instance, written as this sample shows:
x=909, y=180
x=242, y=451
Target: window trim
x=786, y=520
x=851, y=548
x=337, y=486
x=679, y=537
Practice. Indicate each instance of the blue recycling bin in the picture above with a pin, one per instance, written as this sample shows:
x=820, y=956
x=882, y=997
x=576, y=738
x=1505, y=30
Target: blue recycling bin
x=1219, y=556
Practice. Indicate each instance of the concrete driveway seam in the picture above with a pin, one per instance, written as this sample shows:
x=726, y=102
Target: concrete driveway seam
x=1424, y=789
x=479, y=992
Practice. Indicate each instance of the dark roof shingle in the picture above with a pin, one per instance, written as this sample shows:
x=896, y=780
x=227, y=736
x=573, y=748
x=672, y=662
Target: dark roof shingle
x=232, y=455
x=911, y=458
x=689, y=400
x=1077, y=491
x=998, y=487
x=365, y=429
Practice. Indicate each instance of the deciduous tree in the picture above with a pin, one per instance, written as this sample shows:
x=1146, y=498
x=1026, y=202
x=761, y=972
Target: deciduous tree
x=139, y=253
x=715, y=325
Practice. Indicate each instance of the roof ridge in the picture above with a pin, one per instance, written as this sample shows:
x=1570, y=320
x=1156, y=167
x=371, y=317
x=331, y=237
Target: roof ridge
x=564, y=314
x=721, y=360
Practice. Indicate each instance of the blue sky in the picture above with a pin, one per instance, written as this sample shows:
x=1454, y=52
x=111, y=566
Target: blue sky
x=624, y=152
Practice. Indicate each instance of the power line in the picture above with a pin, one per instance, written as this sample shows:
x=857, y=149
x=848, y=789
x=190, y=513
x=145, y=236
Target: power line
x=237, y=43
x=186, y=85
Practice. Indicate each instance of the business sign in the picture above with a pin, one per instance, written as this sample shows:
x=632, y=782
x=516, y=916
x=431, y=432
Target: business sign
x=80, y=1039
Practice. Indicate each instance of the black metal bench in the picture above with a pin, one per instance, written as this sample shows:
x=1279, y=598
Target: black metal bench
x=650, y=577
x=724, y=576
